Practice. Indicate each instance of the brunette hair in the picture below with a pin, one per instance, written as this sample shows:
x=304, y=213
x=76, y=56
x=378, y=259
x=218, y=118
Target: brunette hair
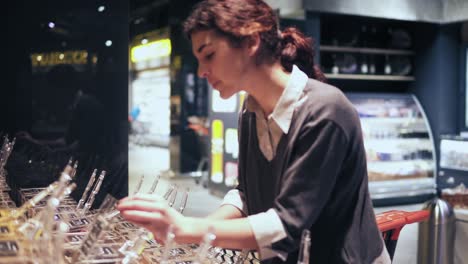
x=238, y=20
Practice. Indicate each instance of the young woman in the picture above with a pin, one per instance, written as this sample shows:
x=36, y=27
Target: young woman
x=302, y=163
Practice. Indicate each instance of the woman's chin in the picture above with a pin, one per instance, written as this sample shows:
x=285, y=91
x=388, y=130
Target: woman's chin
x=225, y=95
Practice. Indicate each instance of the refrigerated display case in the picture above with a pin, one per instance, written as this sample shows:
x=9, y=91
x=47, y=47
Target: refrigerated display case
x=400, y=149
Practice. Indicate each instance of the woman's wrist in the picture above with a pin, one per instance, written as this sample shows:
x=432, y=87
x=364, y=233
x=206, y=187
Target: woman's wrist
x=191, y=230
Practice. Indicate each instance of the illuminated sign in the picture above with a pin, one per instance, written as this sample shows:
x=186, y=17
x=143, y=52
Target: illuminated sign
x=151, y=50
x=47, y=59
x=231, y=142
x=231, y=174
x=217, y=149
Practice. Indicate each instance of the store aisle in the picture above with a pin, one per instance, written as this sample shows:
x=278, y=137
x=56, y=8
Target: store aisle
x=148, y=161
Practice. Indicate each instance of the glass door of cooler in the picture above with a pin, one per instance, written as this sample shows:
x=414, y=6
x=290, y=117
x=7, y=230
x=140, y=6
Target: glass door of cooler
x=399, y=147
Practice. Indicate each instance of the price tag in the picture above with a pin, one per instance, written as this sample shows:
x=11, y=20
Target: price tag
x=8, y=248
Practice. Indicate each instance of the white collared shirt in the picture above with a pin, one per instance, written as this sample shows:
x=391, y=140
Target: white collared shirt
x=271, y=129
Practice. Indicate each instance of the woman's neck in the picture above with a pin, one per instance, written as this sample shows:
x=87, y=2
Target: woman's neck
x=267, y=84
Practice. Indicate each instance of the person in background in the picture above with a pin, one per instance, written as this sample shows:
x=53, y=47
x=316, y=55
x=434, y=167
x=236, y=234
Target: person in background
x=302, y=163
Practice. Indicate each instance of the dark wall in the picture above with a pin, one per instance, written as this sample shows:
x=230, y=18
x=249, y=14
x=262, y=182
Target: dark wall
x=463, y=126
x=15, y=93
x=42, y=101
x=81, y=27
x=437, y=76
x=312, y=28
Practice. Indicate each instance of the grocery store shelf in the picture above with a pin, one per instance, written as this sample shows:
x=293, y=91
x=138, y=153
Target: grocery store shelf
x=369, y=77
x=366, y=50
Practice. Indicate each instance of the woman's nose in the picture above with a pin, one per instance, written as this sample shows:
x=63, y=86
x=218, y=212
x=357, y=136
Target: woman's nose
x=203, y=72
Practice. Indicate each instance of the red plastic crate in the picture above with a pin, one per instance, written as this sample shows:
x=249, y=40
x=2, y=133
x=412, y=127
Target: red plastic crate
x=391, y=222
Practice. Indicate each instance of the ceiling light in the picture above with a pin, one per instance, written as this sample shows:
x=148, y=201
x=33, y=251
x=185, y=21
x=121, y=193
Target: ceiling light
x=101, y=8
x=51, y=24
x=108, y=43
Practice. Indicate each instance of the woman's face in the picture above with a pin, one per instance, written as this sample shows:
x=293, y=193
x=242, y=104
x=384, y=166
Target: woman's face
x=221, y=64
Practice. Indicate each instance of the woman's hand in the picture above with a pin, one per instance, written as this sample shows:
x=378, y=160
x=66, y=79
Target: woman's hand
x=153, y=213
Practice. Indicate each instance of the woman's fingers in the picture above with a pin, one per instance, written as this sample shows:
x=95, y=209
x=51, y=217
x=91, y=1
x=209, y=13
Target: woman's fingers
x=141, y=205
x=158, y=233
x=149, y=211
x=153, y=222
x=144, y=197
x=148, y=197
x=142, y=217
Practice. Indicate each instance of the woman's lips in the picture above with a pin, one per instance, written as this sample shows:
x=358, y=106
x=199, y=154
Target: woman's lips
x=215, y=84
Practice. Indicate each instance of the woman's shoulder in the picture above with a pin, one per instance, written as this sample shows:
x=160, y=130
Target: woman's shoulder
x=326, y=102
x=325, y=97
x=323, y=91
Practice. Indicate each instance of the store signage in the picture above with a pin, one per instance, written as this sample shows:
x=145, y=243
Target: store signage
x=151, y=50
x=231, y=142
x=231, y=172
x=217, y=150
x=47, y=59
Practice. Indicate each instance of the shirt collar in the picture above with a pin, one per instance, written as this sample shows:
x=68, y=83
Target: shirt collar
x=284, y=108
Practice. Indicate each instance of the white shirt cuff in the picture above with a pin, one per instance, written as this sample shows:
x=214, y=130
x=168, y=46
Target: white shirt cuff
x=268, y=229
x=235, y=198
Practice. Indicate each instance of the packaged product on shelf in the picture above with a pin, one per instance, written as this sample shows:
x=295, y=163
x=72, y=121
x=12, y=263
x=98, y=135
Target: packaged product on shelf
x=457, y=197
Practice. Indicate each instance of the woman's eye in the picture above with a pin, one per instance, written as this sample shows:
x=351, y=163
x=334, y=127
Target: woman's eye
x=209, y=56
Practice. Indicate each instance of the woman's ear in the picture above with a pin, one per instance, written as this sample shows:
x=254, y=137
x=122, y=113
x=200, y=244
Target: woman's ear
x=253, y=44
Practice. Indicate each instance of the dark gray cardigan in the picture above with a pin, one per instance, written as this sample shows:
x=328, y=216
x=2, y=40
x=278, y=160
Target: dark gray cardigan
x=317, y=180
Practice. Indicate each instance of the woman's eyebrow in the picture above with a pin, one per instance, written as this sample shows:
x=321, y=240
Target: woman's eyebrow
x=203, y=46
